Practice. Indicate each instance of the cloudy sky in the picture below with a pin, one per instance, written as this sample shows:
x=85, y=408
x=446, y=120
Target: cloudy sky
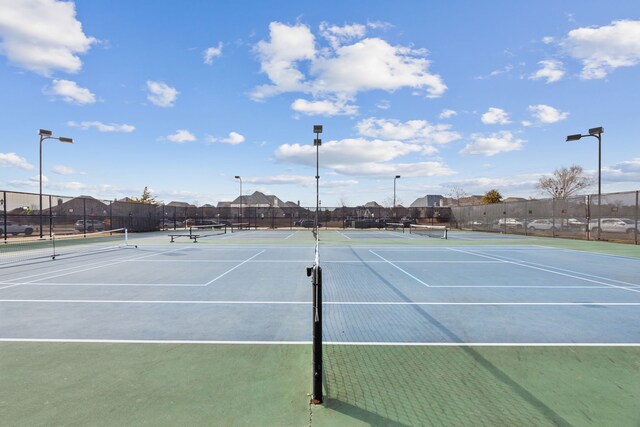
x=182, y=96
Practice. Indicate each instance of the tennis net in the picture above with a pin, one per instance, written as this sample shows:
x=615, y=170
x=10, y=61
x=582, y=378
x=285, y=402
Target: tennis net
x=197, y=231
x=394, y=226
x=437, y=231
x=16, y=251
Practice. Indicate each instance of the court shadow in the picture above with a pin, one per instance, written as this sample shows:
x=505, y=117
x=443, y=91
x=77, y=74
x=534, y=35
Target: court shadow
x=427, y=385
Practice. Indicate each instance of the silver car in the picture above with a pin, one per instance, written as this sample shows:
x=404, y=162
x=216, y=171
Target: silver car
x=15, y=229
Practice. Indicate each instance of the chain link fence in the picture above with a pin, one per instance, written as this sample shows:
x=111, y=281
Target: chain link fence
x=614, y=218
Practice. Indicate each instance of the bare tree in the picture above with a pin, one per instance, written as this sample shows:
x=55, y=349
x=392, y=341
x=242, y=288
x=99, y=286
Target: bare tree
x=564, y=182
x=456, y=193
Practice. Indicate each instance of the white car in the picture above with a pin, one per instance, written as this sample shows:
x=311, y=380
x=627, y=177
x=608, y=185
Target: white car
x=542, y=224
x=613, y=225
x=15, y=229
x=509, y=223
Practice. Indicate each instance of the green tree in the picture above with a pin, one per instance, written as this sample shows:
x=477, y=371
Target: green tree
x=491, y=196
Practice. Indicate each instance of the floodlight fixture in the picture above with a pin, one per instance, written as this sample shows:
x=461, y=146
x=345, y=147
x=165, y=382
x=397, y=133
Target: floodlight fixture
x=596, y=133
x=317, y=128
x=47, y=134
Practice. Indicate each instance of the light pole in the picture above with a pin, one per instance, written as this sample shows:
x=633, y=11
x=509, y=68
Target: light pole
x=47, y=134
x=238, y=177
x=317, y=142
x=596, y=133
x=394, y=196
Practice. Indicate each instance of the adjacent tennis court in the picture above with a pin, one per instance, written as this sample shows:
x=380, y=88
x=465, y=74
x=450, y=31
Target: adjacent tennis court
x=477, y=328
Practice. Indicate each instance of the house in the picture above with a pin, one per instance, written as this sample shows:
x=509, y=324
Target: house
x=426, y=201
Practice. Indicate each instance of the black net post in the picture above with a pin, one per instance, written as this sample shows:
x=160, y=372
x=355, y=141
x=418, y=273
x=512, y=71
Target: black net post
x=316, y=282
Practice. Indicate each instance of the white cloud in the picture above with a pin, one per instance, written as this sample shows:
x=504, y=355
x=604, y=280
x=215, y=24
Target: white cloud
x=507, y=69
x=548, y=40
x=374, y=64
x=211, y=53
x=324, y=108
x=603, y=49
x=182, y=136
x=361, y=157
x=102, y=127
x=346, y=151
x=624, y=171
x=14, y=161
x=343, y=70
x=278, y=57
x=447, y=114
x=418, y=131
x=234, y=138
x=161, y=94
x=337, y=35
x=550, y=69
x=495, y=116
x=493, y=144
x=545, y=114
x=42, y=36
x=63, y=170
x=71, y=92
x=385, y=170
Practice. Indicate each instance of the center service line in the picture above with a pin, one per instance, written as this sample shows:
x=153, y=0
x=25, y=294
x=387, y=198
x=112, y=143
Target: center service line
x=231, y=269
x=405, y=272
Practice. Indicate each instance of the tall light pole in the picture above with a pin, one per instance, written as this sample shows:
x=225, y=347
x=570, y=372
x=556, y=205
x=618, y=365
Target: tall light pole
x=238, y=177
x=47, y=134
x=317, y=142
x=596, y=133
x=394, y=196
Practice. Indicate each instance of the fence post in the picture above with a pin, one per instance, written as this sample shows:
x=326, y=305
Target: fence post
x=635, y=241
x=4, y=214
x=50, y=218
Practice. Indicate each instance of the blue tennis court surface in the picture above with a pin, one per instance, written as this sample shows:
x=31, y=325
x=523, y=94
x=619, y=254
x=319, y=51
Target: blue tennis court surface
x=233, y=288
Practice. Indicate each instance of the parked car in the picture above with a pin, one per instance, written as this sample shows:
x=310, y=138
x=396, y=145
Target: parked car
x=15, y=229
x=90, y=225
x=576, y=224
x=309, y=223
x=509, y=223
x=613, y=225
x=543, y=224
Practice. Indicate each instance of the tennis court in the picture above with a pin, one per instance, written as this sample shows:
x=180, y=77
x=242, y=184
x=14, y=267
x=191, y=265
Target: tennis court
x=478, y=328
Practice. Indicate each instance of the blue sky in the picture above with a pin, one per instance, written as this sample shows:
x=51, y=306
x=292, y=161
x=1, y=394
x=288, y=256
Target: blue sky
x=182, y=96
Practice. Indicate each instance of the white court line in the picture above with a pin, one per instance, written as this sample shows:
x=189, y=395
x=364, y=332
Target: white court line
x=107, y=341
x=179, y=285
x=405, y=272
x=336, y=303
x=573, y=271
x=78, y=269
x=343, y=235
x=478, y=344
x=231, y=269
x=515, y=262
x=291, y=235
x=333, y=343
x=145, y=302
